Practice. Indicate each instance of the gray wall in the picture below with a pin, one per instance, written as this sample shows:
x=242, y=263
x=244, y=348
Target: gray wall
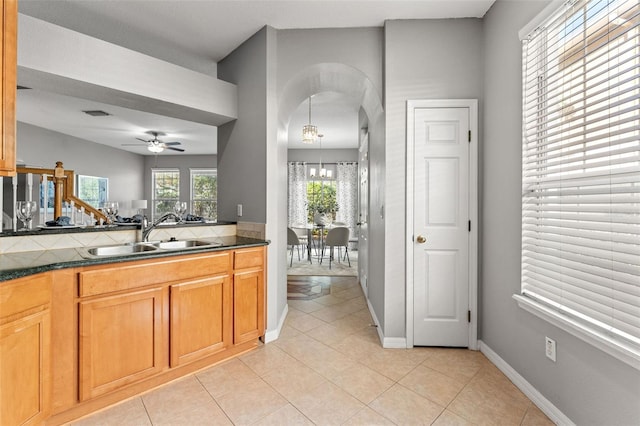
x=587, y=385
x=360, y=48
x=242, y=144
x=41, y=147
x=424, y=59
x=251, y=159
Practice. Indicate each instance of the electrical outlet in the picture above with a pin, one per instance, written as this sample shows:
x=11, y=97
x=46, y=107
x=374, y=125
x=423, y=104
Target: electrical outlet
x=239, y=209
x=550, y=348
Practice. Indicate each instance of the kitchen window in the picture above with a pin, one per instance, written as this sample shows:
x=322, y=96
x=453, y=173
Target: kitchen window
x=166, y=191
x=581, y=174
x=204, y=193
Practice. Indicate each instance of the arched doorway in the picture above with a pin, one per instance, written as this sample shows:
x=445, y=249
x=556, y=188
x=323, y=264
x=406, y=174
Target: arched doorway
x=352, y=83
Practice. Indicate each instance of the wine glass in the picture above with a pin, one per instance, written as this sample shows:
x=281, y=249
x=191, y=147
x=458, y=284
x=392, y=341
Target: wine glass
x=180, y=208
x=110, y=209
x=25, y=210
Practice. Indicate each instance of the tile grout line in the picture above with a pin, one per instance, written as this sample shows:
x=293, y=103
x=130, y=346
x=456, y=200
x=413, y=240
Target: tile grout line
x=195, y=375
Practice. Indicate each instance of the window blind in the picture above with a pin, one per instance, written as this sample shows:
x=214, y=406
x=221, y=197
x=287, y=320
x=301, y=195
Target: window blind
x=581, y=167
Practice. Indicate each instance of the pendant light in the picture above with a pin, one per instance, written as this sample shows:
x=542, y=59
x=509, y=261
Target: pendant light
x=309, y=132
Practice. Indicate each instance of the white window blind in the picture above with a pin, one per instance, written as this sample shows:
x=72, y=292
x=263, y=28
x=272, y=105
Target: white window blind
x=581, y=170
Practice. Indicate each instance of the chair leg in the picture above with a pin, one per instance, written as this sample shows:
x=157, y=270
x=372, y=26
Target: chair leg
x=291, y=262
x=346, y=253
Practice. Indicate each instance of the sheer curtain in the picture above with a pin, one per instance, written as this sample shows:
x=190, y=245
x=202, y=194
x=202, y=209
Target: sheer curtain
x=297, y=199
x=347, y=195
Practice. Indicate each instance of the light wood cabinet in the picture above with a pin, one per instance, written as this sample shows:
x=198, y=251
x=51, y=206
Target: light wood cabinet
x=25, y=351
x=73, y=341
x=8, y=57
x=120, y=340
x=200, y=318
x=248, y=295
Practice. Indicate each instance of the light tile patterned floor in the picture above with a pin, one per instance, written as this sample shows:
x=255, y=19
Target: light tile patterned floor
x=328, y=368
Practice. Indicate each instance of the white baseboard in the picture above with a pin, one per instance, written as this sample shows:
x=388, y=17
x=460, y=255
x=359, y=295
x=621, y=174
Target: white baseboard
x=387, y=342
x=532, y=393
x=394, y=343
x=272, y=335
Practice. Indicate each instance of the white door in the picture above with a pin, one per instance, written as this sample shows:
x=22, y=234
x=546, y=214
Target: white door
x=363, y=208
x=441, y=227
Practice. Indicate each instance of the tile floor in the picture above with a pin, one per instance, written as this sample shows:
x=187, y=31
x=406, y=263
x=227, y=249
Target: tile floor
x=328, y=368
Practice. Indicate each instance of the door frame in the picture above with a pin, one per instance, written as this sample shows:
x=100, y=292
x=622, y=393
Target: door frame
x=472, y=104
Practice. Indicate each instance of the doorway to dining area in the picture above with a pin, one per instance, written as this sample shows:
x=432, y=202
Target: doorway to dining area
x=309, y=281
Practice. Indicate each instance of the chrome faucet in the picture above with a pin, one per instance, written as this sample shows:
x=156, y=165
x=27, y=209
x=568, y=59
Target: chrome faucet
x=146, y=228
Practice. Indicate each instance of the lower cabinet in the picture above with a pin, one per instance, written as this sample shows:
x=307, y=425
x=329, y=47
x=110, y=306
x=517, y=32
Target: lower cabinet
x=98, y=334
x=200, y=323
x=248, y=306
x=24, y=361
x=120, y=340
x=248, y=294
x=25, y=351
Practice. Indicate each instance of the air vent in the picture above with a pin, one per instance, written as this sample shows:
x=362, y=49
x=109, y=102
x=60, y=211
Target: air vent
x=97, y=113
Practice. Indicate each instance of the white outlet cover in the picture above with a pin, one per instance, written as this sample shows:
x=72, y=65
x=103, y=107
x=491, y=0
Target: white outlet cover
x=550, y=348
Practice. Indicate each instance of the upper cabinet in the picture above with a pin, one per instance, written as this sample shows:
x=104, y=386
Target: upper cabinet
x=8, y=55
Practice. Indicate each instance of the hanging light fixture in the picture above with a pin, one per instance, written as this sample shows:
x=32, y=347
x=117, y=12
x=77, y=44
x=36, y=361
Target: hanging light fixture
x=322, y=170
x=154, y=147
x=309, y=132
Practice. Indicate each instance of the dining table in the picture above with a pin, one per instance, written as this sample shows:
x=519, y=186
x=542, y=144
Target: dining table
x=310, y=227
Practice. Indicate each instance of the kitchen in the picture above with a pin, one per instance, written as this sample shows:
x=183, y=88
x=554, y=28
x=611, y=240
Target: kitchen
x=484, y=45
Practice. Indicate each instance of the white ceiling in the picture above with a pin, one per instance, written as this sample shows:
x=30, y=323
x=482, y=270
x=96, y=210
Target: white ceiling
x=196, y=35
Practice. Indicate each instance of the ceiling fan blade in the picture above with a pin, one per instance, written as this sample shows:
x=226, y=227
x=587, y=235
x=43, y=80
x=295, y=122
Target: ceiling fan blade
x=131, y=144
x=175, y=149
x=172, y=143
x=143, y=140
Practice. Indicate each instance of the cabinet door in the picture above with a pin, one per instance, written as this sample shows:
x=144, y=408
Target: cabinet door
x=8, y=46
x=24, y=363
x=200, y=321
x=248, y=306
x=121, y=341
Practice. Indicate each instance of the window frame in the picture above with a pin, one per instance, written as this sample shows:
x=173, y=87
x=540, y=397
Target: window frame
x=607, y=338
x=154, y=201
x=193, y=200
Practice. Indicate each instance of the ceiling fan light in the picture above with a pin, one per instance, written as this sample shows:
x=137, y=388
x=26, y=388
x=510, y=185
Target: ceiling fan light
x=155, y=148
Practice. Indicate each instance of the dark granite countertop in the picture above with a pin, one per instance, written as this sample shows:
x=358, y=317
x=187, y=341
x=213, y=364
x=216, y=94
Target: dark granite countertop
x=21, y=264
x=119, y=227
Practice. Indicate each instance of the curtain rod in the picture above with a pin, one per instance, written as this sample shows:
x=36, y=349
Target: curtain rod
x=323, y=163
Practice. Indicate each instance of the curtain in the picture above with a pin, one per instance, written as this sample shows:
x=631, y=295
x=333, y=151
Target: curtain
x=297, y=200
x=347, y=196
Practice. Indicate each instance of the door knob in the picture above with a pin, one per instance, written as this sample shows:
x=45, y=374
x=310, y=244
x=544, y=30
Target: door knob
x=420, y=239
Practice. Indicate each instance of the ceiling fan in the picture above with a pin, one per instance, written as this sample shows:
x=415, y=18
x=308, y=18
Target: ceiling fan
x=155, y=144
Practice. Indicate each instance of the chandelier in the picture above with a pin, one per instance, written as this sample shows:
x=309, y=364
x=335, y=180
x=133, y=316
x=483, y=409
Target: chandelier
x=309, y=131
x=322, y=171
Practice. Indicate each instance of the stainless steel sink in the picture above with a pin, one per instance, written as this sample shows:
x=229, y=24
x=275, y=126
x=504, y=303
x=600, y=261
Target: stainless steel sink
x=120, y=250
x=144, y=247
x=184, y=244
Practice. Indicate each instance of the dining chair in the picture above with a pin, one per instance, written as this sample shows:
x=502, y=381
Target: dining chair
x=337, y=237
x=293, y=241
x=302, y=231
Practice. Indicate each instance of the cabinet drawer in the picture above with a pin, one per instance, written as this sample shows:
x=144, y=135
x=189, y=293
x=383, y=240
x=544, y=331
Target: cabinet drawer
x=249, y=258
x=144, y=273
x=24, y=293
